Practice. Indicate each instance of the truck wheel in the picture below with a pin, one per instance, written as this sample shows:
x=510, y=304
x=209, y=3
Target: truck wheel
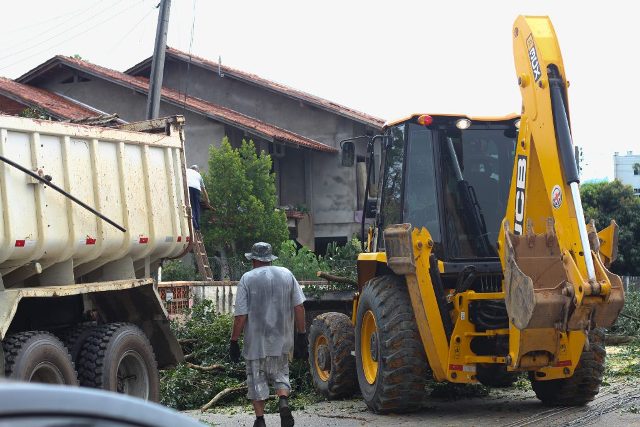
x=584, y=385
x=118, y=357
x=38, y=357
x=497, y=376
x=332, y=365
x=73, y=338
x=390, y=359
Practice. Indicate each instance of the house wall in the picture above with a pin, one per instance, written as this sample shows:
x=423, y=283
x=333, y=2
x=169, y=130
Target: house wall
x=131, y=105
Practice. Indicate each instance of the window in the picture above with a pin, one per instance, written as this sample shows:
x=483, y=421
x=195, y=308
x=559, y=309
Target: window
x=392, y=186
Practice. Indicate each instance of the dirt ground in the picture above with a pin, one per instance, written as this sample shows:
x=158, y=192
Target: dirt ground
x=617, y=404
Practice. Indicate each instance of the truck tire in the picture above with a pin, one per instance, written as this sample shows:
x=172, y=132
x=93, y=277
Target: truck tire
x=38, y=357
x=74, y=337
x=584, y=385
x=496, y=376
x=390, y=361
x=332, y=365
x=118, y=357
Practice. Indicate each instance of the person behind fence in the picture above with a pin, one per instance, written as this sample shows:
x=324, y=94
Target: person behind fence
x=196, y=190
x=269, y=302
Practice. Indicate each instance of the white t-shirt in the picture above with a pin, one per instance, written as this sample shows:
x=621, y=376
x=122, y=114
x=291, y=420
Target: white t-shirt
x=194, y=179
x=267, y=296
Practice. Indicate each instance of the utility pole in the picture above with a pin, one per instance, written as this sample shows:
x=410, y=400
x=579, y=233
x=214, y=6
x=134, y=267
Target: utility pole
x=157, y=63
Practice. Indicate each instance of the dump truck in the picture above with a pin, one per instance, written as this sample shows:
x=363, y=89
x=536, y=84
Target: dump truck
x=88, y=214
x=479, y=263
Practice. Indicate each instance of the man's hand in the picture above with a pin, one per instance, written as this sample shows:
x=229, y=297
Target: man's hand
x=301, y=345
x=234, y=351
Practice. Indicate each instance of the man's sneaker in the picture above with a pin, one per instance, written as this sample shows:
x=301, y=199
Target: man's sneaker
x=286, y=418
x=259, y=422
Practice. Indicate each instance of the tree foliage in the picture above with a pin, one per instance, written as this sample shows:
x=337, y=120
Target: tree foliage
x=242, y=190
x=604, y=201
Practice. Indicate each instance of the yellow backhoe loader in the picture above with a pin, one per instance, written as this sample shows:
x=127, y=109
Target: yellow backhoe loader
x=479, y=264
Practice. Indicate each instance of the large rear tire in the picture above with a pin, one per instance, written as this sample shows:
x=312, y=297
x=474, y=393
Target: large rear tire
x=331, y=341
x=584, y=385
x=391, y=364
x=118, y=357
x=38, y=357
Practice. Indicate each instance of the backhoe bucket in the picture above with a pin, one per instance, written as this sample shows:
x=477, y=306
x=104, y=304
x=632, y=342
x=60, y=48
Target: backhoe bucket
x=544, y=288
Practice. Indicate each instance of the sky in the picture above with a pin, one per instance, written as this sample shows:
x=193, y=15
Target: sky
x=388, y=59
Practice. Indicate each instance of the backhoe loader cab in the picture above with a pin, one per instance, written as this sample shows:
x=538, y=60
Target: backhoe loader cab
x=451, y=175
x=479, y=264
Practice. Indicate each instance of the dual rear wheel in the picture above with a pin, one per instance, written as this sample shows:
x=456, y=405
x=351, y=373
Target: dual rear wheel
x=116, y=357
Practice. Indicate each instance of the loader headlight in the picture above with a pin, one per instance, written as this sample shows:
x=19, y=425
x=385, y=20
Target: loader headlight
x=517, y=124
x=463, y=124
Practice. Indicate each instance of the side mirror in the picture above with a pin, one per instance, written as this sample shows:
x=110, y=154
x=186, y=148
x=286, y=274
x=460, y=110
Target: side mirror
x=348, y=153
x=370, y=207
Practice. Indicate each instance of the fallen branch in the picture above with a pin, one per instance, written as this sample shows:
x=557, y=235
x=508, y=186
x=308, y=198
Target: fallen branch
x=630, y=317
x=189, y=356
x=187, y=341
x=337, y=279
x=227, y=391
x=618, y=339
x=205, y=368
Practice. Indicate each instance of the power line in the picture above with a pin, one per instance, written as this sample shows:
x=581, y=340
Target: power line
x=186, y=84
x=69, y=18
x=67, y=30
x=66, y=40
x=146, y=15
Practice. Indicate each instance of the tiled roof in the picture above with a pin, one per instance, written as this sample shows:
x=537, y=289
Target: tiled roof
x=51, y=103
x=214, y=111
x=273, y=86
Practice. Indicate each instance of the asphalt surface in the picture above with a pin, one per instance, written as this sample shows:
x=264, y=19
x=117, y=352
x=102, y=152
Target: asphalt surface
x=617, y=404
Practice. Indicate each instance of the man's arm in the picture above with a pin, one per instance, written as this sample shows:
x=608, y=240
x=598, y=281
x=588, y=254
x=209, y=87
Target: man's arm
x=238, y=325
x=301, y=326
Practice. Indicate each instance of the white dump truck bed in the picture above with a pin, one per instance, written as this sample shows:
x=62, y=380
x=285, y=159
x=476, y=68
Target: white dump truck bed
x=135, y=179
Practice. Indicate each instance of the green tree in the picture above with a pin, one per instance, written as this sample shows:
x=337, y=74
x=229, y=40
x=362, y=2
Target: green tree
x=604, y=201
x=242, y=191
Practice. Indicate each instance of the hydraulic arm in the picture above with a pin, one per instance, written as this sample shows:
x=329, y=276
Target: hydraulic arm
x=555, y=286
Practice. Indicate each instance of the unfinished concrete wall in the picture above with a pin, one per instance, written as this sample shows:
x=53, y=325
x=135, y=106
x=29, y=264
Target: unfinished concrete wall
x=130, y=105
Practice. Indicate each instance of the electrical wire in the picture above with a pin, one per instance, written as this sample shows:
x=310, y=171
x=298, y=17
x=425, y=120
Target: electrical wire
x=70, y=17
x=66, y=40
x=55, y=36
x=146, y=15
x=186, y=80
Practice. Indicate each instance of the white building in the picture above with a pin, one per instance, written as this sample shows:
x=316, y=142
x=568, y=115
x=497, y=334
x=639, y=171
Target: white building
x=626, y=168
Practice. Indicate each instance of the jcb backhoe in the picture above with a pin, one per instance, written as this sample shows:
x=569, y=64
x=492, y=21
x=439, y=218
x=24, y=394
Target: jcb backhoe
x=479, y=264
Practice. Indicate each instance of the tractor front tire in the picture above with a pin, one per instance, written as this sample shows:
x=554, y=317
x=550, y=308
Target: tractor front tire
x=390, y=360
x=584, y=385
x=332, y=365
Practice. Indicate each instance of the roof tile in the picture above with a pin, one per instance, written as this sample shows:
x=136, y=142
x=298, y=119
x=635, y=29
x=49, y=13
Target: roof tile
x=204, y=107
x=50, y=102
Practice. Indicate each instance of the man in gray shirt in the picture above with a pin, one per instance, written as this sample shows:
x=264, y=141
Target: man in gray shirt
x=268, y=303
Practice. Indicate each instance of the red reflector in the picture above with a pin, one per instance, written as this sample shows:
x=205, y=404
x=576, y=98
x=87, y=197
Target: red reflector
x=20, y=243
x=455, y=367
x=425, y=120
x=563, y=363
x=90, y=241
x=144, y=240
x=188, y=239
x=179, y=238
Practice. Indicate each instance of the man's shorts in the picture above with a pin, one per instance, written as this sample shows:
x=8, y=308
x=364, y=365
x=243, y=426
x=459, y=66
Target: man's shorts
x=272, y=370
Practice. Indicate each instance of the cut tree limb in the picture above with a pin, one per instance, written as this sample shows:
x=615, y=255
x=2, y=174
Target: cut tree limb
x=205, y=368
x=227, y=391
x=337, y=279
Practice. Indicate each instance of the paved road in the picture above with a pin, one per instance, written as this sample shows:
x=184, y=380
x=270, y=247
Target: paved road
x=617, y=405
